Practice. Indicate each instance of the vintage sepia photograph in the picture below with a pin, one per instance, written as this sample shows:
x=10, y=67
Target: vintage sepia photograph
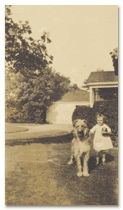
x=61, y=105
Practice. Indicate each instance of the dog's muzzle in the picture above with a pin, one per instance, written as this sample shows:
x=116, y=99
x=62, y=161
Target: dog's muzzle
x=81, y=134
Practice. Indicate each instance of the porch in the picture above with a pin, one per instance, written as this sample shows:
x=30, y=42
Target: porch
x=102, y=86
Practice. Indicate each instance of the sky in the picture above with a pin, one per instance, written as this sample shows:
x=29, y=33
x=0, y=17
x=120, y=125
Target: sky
x=82, y=36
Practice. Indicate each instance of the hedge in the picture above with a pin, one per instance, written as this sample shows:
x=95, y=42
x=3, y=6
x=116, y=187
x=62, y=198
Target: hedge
x=84, y=112
x=108, y=108
x=34, y=115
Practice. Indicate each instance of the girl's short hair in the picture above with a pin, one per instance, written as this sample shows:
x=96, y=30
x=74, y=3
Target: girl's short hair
x=98, y=115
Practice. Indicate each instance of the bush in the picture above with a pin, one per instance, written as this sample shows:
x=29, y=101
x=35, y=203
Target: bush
x=108, y=108
x=32, y=115
x=84, y=112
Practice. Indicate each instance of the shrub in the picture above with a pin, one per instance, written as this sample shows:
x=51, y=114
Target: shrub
x=84, y=112
x=32, y=115
x=108, y=108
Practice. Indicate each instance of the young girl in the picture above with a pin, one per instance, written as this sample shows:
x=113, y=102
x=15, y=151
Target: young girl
x=102, y=140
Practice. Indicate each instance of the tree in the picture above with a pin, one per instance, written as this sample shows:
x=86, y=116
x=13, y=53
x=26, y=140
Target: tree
x=114, y=55
x=31, y=84
x=24, y=54
x=74, y=87
x=99, y=69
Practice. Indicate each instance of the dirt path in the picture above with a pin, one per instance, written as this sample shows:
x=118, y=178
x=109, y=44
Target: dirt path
x=39, y=131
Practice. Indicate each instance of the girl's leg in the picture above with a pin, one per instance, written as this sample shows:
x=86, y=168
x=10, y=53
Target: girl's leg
x=97, y=158
x=104, y=158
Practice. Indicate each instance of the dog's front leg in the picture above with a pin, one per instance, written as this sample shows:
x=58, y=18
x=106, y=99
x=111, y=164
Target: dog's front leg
x=79, y=173
x=72, y=155
x=71, y=160
x=85, y=164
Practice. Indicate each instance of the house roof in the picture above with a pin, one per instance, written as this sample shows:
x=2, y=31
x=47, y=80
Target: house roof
x=76, y=95
x=102, y=76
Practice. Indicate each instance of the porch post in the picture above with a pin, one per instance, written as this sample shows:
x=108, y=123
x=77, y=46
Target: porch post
x=91, y=97
x=97, y=94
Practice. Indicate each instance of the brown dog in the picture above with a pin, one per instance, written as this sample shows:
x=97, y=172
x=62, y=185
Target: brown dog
x=80, y=146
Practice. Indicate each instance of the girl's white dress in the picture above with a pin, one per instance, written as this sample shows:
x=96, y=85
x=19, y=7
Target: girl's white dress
x=101, y=142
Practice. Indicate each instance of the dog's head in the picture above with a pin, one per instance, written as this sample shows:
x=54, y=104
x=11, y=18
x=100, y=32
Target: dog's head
x=80, y=128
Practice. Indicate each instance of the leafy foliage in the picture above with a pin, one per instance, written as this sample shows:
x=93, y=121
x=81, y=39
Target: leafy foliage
x=114, y=55
x=108, y=108
x=84, y=112
x=31, y=84
x=22, y=52
x=74, y=87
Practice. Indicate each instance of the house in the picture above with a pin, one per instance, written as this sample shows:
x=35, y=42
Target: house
x=61, y=111
x=102, y=81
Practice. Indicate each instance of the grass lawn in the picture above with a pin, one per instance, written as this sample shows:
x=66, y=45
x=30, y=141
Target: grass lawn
x=14, y=128
x=32, y=180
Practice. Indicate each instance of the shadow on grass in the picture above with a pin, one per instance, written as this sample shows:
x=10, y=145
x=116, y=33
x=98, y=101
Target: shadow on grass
x=45, y=140
x=97, y=189
x=60, y=139
x=92, y=161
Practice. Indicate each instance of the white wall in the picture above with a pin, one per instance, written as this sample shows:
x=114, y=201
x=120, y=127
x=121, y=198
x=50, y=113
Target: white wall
x=61, y=112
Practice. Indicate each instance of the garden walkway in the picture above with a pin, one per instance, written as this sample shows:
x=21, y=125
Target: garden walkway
x=39, y=131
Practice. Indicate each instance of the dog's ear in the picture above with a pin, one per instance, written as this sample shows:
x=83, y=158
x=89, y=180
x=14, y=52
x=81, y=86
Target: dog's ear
x=74, y=131
x=74, y=122
x=86, y=123
x=86, y=131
